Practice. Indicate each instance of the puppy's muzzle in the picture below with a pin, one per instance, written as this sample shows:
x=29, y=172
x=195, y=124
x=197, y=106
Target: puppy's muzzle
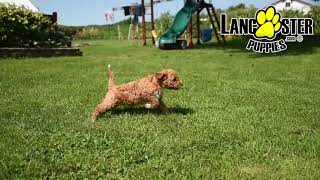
x=178, y=85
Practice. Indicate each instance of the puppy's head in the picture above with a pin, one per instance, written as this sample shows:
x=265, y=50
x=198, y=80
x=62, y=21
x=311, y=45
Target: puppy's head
x=168, y=79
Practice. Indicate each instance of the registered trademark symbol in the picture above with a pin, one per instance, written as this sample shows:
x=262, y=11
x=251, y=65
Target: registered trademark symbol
x=299, y=38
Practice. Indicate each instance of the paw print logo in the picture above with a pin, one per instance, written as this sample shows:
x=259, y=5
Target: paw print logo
x=269, y=23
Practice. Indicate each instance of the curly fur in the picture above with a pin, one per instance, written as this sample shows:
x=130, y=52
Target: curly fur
x=146, y=91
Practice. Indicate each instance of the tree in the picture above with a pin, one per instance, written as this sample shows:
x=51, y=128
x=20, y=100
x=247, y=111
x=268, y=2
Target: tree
x=239, y=6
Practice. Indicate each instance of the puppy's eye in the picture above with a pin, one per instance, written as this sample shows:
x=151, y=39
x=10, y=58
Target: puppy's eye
x=175, y=79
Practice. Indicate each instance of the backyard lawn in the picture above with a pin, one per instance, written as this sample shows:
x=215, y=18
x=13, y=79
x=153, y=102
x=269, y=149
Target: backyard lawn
x=238, y=115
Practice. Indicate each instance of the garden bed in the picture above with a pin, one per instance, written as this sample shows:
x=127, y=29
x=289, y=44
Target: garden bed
x=39, y=52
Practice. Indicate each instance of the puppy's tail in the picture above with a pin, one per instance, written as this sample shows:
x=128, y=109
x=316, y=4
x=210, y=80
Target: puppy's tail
x=111, y=77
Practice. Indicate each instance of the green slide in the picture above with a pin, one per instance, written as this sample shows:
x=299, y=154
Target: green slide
x=179, y=24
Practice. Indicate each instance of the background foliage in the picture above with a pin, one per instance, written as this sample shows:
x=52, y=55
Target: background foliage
x=164, y=21
x=315, y=15
x=20, y=27
x=23, y=28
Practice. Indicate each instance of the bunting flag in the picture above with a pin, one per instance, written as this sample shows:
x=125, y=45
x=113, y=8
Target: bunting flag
x=109, y=16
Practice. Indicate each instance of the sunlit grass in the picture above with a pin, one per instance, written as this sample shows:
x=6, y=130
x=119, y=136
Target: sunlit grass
x=238, y=116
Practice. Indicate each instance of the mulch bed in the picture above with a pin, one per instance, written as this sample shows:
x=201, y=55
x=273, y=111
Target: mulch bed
x=39, y=52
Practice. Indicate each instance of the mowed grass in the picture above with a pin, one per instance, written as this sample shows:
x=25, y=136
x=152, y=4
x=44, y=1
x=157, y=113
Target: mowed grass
x=238, y=115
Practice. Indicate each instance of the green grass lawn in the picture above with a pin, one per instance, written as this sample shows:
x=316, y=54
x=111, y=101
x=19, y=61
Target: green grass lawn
x=239, y=115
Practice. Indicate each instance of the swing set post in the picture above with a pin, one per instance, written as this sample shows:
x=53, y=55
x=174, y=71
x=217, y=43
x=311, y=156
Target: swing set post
x=144, y=39
x=152, y=21
x=198, y=26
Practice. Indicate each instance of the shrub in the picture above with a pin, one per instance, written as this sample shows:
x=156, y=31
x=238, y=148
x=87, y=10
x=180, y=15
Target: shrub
x=20, y=27
x=314, y=14
x=69, y=30
x=163, y=22
x=292, y=14
x=241, y=12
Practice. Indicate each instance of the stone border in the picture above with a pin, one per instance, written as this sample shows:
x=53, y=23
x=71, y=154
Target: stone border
x=39, y=52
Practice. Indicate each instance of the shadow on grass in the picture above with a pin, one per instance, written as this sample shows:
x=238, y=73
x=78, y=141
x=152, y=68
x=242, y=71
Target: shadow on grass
x=144, y=111
x=307, y=46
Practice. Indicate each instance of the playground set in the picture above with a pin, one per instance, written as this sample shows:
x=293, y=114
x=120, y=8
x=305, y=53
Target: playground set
x=170, y=39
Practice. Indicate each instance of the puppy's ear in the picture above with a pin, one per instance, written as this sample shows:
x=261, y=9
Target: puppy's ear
x=161, y=76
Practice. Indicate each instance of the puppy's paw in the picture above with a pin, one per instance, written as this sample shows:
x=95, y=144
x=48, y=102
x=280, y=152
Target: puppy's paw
x=93, y=119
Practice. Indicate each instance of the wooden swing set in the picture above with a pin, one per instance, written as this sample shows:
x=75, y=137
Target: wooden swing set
x=202, y=5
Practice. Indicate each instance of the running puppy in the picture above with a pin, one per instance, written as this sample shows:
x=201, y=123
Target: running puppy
x=146, y=91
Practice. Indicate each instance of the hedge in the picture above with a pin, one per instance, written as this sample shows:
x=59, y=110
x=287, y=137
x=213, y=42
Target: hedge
x=20, y=27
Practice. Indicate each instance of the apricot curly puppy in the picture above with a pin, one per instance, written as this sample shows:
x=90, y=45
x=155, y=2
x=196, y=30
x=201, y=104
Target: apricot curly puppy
x=146, y=91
